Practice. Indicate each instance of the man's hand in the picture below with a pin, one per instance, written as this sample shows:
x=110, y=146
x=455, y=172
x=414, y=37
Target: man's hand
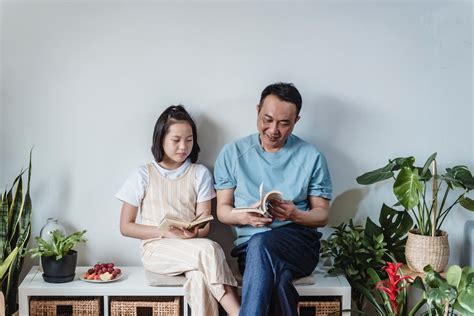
x=283, y=210
x=252, y=219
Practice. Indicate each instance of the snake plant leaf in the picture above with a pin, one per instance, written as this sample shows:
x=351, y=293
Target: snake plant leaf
x=3, y=224
x=426, y=166
x=5, y=265
x=377, y=175
x=467, y=203
x=15, y=229
x=453, y=275
x=407, y=187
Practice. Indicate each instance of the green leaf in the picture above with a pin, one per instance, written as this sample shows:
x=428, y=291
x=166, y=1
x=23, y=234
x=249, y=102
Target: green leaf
x=401, y=162
x=460, y=176
x=407, y=187
x=426, y=166
x=370, y=297
x=377, y=175
x=59, y=245
x=462, y=311
x=467, y=203
x=15, y=230
x=453, y=275
x=395, y=226
x=418, y=283
x=6, y=265
x=466, y=298
x=417, y=306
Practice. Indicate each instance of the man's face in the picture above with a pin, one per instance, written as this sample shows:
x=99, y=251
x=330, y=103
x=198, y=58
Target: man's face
x=275, y=122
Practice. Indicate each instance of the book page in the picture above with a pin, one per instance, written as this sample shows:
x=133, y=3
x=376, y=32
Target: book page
x=272, y=195
x=166, y=223
x=201, y=221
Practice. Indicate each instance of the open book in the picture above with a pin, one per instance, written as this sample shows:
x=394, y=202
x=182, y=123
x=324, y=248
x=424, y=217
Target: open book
x=265, y=203
x=199, y=221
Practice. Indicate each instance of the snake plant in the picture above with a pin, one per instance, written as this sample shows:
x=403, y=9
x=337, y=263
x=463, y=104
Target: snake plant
x=15, y=230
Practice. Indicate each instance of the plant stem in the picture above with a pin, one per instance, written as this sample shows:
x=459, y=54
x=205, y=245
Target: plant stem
x=434, y=204
x=444, y=200
x=416, y=218
x=446, y=212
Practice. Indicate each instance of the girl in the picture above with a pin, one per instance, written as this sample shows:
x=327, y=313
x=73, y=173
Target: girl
x=174, y=185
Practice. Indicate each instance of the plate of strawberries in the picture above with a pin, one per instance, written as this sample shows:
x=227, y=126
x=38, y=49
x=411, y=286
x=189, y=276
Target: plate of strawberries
x=102, y=273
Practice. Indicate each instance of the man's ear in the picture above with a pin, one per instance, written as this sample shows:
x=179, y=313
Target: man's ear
x=297, y=119
x=258, y=108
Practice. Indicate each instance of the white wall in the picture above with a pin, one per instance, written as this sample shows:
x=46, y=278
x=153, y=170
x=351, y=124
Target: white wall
x=84, y=83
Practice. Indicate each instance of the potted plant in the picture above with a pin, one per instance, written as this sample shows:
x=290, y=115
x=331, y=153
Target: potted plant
x=355, y=249
x=453, y=295
x=427, y=243
x=388, y=297
x=57, y=257
x=15, y=230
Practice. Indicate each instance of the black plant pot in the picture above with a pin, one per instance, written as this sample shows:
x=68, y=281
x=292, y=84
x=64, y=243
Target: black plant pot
x=59, y=271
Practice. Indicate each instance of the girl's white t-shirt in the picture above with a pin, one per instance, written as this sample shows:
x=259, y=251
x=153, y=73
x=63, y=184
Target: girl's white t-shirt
x=133, y=190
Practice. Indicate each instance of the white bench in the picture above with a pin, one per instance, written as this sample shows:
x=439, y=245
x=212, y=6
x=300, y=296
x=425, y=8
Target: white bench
x=134, y=283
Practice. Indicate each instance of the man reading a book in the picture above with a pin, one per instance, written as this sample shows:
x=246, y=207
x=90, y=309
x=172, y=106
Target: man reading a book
x=273, y=251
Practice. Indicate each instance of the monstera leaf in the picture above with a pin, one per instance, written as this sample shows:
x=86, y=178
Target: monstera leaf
x=407, y=187
x=394, y=225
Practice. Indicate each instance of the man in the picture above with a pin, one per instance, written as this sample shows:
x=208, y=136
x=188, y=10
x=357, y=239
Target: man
x=273, y=251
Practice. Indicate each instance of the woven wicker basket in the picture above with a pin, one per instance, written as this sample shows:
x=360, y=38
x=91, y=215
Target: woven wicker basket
x=320, y=307
x=156, y=306
x=54, y=305
x=423, y=250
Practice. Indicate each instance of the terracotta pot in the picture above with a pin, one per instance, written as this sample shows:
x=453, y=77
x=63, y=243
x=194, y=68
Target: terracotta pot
x=421, y=251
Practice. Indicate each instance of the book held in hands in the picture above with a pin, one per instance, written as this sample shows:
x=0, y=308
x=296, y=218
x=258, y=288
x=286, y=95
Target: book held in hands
x=265, y=203
x=199, y=221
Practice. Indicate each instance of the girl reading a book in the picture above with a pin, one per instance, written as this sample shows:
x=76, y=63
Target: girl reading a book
x=173, y=185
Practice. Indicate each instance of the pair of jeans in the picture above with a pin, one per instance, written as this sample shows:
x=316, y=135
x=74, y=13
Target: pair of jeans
x=269, y=262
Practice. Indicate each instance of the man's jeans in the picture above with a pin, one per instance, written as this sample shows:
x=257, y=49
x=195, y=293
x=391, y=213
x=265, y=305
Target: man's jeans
x=269, y=262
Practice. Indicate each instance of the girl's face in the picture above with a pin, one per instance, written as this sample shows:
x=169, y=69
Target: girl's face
x=177, y=144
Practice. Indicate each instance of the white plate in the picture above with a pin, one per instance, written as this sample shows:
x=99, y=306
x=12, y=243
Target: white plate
x=118, y=277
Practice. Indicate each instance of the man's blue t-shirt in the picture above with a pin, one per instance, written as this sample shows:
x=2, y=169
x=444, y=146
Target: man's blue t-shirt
x=297, y=170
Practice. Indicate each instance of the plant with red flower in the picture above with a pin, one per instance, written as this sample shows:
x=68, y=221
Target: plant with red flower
x=393, y=285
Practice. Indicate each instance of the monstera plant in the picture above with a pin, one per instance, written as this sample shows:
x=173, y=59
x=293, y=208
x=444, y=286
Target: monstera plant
x=15, y=230
x=417, y=189
x=412, y=190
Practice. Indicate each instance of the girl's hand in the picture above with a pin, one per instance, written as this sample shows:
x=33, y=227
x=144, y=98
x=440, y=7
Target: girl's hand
x=179, y=233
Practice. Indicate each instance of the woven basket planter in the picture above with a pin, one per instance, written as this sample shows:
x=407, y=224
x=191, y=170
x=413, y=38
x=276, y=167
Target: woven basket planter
x=421, y=251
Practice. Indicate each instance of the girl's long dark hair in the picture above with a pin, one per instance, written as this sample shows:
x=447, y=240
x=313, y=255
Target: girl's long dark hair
x=169, y=116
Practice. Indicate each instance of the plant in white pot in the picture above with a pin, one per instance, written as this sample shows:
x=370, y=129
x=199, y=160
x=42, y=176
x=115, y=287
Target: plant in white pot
x=57, y=257
x=417, y=190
